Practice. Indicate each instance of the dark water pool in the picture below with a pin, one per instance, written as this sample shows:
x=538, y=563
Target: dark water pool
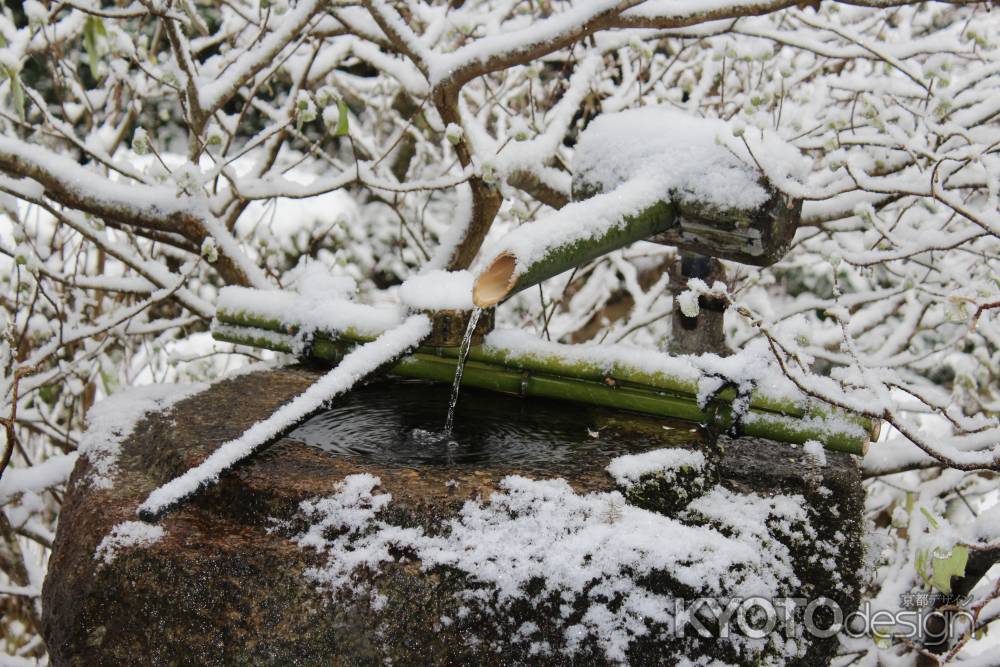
x=402, y=423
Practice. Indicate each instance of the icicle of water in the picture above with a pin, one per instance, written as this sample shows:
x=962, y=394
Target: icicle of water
x=463, y=352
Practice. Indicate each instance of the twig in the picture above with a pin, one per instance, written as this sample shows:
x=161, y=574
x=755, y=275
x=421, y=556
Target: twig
x=8, y=422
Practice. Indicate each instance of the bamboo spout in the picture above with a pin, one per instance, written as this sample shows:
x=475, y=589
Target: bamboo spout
x=636, y=210
x=496, y=281
x=545, y=248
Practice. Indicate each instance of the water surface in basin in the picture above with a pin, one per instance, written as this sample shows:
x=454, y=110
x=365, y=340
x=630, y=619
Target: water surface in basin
x=401, y=423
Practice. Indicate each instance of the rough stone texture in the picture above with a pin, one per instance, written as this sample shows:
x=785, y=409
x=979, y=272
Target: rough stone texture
x=226, y=585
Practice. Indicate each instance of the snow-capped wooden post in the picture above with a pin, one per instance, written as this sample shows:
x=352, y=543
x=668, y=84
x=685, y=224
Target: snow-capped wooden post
x=448, y=327
x=662, y=176
x=700, y=332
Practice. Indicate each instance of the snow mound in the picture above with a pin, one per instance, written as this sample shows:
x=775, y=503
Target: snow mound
x=625, y=163
x=125, y=535
x=630, y=468
x=698, y=160
x=438, y=290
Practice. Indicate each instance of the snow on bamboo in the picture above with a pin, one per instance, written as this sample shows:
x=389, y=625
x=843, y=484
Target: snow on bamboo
x=438, y=290
x=359, y=363
x=629, y=168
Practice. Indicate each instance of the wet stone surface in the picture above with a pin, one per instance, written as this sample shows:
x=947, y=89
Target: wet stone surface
x=227, y=584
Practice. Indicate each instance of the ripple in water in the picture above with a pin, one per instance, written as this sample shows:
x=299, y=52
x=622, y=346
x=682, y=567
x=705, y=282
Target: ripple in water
x=400, y=423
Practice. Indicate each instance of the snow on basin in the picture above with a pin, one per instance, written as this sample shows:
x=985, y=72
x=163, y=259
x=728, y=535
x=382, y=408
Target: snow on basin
x=629, y=469
x=111, y=422
x=594, y=549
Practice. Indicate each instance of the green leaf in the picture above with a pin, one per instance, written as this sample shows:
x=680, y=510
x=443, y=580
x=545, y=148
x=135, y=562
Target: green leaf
x=342, y=122
x=48, y=393
x=17, y=93
x=920, y=564
x=93, y=28
x=952, y=565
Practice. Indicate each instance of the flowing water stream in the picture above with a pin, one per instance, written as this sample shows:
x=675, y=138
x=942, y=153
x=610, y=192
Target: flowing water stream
x=463, y=352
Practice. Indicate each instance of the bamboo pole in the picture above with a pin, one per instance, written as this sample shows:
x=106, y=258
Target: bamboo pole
x=545, y=248
x=621, y=375
x=529, y=375
x=508, y=274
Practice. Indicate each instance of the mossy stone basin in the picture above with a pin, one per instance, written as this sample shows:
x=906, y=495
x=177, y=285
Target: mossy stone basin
x=358, y=539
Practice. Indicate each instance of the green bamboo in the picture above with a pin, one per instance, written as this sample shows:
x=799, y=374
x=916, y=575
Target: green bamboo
x=657, y=218
x=620, y=374
x=493, y=371
x=248, y=318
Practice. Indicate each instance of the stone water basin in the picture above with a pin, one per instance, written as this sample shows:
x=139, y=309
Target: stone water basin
x=363, y=537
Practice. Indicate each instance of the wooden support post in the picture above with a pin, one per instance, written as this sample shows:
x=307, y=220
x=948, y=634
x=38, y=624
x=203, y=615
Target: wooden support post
x=702, y=333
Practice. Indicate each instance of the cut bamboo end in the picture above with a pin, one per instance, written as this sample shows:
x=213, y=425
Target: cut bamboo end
x=495, y=282
x=874, y=432
x=859, y=447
